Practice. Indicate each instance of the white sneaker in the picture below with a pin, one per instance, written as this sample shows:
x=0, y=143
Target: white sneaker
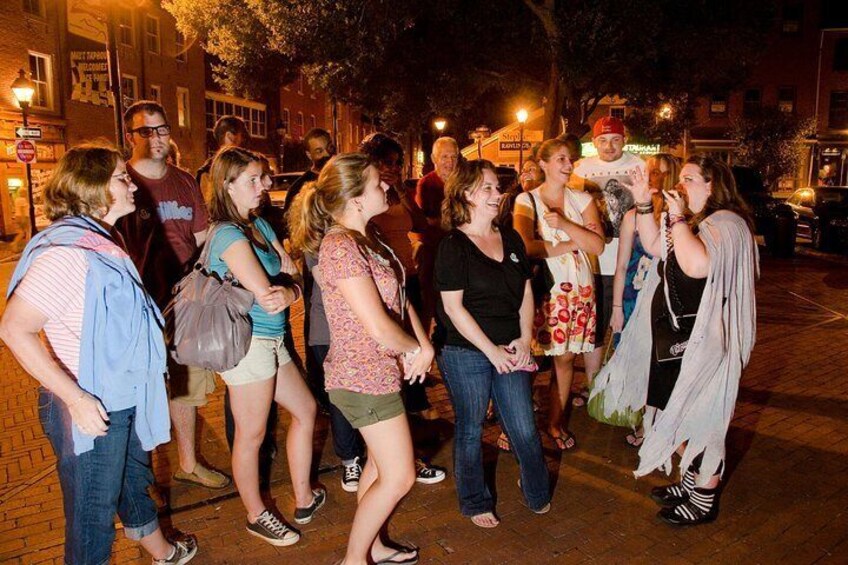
x=350, y=478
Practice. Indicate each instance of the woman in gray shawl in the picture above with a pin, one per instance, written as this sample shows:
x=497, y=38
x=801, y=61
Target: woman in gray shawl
x=698, y=305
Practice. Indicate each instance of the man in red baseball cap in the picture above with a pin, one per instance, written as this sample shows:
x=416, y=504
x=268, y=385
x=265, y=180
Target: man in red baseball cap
x=607, y=177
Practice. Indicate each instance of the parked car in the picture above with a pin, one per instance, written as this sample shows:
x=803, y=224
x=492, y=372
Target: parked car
x=282, y=182
x=822, y=212
x=773, y=219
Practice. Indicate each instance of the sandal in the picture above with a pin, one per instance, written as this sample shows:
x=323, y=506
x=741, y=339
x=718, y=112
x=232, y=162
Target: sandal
x=392, y=559
x=563, y=440
x=503, y=443
x=478, y=520
x=580, y=398
x=635, y=439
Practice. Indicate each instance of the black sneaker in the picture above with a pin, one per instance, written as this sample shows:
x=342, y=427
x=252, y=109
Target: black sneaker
x=350, y=478
x=427, y=474
x=184, y=551
x=272, y=530
x=304, y=515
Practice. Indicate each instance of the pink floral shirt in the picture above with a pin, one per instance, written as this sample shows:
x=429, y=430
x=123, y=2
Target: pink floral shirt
x=356, y=362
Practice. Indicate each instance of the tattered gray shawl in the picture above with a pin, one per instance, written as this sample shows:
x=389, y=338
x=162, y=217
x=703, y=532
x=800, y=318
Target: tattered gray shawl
x=702, y=402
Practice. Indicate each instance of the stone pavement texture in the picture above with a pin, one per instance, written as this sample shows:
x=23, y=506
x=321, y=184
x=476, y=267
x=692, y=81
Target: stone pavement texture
x=785, y=498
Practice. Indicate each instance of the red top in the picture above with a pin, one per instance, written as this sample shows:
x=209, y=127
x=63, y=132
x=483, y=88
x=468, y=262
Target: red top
x=159, y=235
x=429, y=194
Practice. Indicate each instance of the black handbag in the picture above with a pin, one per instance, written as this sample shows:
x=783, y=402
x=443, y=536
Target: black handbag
x=542, y=280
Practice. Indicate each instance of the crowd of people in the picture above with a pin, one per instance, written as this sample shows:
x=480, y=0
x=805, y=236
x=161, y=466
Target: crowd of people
x=645, y=269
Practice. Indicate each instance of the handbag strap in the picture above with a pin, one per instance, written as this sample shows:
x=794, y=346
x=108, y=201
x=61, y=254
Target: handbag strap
x=203, y=261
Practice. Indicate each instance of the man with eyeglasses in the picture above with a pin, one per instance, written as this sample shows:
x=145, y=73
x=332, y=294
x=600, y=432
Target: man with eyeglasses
x=162, y=237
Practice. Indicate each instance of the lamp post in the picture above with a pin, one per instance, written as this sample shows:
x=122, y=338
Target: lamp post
x=666, y=112
x=521, y=116
x=24, y=89
x=114, y=73
x=440, y=124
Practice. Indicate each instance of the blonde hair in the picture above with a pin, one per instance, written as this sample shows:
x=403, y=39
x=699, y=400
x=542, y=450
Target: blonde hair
x=547, y=149
x=228, y=164
x=467, y=177
x=319, y=204
x=670, y=180
x=80, y=183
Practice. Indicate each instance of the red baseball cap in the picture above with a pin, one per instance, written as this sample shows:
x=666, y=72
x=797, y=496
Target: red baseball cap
x=608, y=124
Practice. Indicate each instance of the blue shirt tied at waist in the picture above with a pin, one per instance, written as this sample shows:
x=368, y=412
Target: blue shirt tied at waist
x=121, y=347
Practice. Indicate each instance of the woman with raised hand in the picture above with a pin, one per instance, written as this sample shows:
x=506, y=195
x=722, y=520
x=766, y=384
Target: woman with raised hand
x=562, y=227
x=486, y=305
x=245, y=246
x=362, y=284
x=698, y=305
x=102, y=400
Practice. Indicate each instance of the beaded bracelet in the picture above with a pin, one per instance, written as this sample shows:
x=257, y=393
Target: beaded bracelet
x=674, y=219
x=644, y=208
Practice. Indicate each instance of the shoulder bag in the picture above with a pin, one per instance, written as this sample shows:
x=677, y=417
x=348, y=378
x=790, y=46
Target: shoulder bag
x=207, y=321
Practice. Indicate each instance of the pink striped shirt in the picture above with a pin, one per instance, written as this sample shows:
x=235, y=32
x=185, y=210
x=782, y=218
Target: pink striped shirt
x=55, y=285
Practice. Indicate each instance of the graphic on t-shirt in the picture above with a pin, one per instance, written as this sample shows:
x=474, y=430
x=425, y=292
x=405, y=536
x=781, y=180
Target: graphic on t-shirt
x=618, y=199
x=171, y=210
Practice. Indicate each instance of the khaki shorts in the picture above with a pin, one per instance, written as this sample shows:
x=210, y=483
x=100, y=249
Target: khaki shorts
x=365, y=409
x=189, y=385
x=263, y=358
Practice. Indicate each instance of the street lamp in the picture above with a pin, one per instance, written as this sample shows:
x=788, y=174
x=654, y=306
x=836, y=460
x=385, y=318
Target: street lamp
x=24, y=89
x=440, y=124
x=521, y=116
x=665, y=113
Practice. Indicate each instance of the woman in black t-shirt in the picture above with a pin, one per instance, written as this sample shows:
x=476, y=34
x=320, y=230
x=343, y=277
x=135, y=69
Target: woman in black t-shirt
x=486, y=305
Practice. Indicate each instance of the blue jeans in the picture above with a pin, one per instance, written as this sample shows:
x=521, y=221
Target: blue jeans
x=112, y=477
x=471, y=381
x=346, y=440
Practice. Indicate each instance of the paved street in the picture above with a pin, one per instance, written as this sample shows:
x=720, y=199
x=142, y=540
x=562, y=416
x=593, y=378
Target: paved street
x=786, y=498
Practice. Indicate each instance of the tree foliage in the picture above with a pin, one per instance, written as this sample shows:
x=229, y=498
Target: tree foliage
x=770, y=141
x=407, y=60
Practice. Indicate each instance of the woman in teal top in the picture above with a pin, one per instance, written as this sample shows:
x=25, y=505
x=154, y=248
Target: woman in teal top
x=245, y=246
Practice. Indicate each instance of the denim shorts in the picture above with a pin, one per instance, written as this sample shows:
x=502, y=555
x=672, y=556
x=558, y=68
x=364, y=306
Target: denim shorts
x=263, y=358
x=362, y=409
x=110, y=479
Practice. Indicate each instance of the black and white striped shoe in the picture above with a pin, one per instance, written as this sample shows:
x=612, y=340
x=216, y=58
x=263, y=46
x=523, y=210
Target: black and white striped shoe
x=677, y=493
x=701, y=508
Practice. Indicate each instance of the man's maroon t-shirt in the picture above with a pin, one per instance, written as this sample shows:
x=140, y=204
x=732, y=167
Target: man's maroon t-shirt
x=159, y=235
x=429, y=195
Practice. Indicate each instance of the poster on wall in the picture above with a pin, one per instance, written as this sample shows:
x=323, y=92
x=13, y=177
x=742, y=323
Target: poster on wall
x=90, y=78
x=87, y=18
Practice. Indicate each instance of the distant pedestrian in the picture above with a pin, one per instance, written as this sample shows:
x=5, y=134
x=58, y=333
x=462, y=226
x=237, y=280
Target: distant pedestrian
x=103, y=404
x=229, y=131
x=485, y=303
x=702, y=321
x=370, y=352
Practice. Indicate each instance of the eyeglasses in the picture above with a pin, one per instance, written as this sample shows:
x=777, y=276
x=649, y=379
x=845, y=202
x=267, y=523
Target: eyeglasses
x=123, y=177
x=147, y=131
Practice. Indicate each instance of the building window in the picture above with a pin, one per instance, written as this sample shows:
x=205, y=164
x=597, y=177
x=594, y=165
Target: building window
x=287, y=120
x=751, y=102
x=41, y=73
x=313, y=123
x=786, y=99
x=129, y=90
x=718, y=105
x=838, y=116
x=300, y=84
x=253, y=113
x=180, y=46
x=126, y=33
x=34, y=7
x=156, y=93
x=840, y=55
x=298, y=126
x=617, y=112
x=793, y=16
x=183, y=108
x=151, y=33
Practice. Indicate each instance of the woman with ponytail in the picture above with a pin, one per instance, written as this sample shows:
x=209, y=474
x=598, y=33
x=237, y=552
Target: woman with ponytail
x=362, y=284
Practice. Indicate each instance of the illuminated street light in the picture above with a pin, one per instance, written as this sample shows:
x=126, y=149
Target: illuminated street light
x=521, y=116
x=665, y=112
x=440, y=124
x=24, y=89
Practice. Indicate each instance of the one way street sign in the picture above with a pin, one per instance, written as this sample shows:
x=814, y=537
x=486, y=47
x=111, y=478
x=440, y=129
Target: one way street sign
x=28, y=133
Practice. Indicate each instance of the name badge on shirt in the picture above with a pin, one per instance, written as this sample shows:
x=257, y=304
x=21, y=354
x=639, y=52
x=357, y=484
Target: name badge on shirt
x=513, y=257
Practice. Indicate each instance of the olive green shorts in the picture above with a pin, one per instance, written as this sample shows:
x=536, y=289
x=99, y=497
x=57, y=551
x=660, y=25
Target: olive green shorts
x=365, y=409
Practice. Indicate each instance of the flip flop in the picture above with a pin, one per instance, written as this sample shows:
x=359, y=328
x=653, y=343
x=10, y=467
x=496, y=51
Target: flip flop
x=390, y=560
x=580, y=398
x=561, y=441
x=479, y=525
x=635, y=439
x=503, y=443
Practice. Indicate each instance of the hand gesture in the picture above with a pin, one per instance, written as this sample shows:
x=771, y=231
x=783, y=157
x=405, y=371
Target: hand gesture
x=676, y=204
x=555, y=219
x=639, y=186
x=89, y=415
x=415, y=367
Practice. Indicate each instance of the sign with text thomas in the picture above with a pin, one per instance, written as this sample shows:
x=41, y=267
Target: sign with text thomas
x=25, y=151
x=509, y=142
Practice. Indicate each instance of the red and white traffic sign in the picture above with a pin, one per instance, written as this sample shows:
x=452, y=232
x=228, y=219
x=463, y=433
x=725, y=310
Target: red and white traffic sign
x=25, y=151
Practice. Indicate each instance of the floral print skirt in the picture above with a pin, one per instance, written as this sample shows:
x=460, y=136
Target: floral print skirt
x=565, y=321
